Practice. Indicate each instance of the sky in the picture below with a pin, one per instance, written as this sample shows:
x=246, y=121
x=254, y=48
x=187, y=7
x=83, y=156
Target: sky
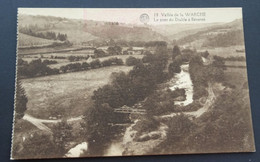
x=132, y=15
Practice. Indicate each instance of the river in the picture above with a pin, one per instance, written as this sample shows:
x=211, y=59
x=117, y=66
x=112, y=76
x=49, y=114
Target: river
x=128, y=146
x=182, y=80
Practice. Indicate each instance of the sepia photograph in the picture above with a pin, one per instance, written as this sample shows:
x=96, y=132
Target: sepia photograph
x=100, y=82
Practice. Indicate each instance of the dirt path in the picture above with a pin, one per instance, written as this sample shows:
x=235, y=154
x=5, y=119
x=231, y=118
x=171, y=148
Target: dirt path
x=211, y=98
x=39, y=123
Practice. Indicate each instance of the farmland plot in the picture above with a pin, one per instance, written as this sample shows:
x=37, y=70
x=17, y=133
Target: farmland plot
x=65, y=95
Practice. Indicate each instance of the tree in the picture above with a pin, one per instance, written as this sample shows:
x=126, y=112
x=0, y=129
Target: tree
x=38, y=145
x=20, y=100
x=62, y=135
x=95, y=64
x=174, y=67
x=97, y=128
x=118, y=61
x=64, y=69
x=85, y=65
x=205, y=54
x=114, y=50
x=130, y=61
x=99, y=53
x=176, y=51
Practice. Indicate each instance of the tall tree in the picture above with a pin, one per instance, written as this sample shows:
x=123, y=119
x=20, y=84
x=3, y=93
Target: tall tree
x=62, y=135
x=176, y=51
x=20, y=100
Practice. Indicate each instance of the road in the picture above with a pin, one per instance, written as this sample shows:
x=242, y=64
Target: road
x=210, y=99
x=39, y=123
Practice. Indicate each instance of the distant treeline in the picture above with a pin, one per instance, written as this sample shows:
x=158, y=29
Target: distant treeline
x=124, y=43
x=45, y=35
x=77, y=58
x=155, y=44
x=54, y=44
x=37, y=68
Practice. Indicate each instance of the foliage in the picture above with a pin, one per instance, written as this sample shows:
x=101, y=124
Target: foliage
x=174, y=67
x=176, y=51
x=155, y=44
x=147, y=124
x=127, y=89
x=124, y=89
x=204, y=54
x=198, y=76
x=62, y=135
x=37, y=145
x=131, y=61
x=112, y=61
x=35, y=68
x=97, y=128
x=20, y=100
x=99, y=53
x=159, y=103
x=227, y=125
x=77, y=58
x=178, y=127
x=95, y=64
x=114, y=50
x=45, y=35
x=49, y=62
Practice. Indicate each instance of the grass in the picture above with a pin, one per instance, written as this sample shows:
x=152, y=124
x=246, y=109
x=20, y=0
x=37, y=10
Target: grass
x=29, y=59
x=235, y=63
x=68, y=95
x=236, y=76
x=27, y=40
x=225, y=51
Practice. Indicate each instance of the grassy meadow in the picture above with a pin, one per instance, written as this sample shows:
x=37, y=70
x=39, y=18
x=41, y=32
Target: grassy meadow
x=65, y=94
x=236, y=76
x=27, y=40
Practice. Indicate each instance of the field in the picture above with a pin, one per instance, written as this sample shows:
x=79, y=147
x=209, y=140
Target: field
x=236, y=76
x=236, y=63
x=27, y=40
x=225, y=51
x=66, y=95
x=29, y=59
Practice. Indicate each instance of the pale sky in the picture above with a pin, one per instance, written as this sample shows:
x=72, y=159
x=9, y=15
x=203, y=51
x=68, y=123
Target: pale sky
x=132, y=15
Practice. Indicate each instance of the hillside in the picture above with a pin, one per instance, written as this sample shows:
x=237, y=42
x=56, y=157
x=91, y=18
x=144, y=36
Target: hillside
x=79, y=31
x=228, y=34
x=177, y=31
x=25, y=40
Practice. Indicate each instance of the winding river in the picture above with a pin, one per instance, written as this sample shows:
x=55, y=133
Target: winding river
x=127, y=146
x=181, y=80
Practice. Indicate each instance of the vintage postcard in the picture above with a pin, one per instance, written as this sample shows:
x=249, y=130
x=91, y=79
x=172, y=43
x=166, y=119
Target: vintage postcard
x=125, y=82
